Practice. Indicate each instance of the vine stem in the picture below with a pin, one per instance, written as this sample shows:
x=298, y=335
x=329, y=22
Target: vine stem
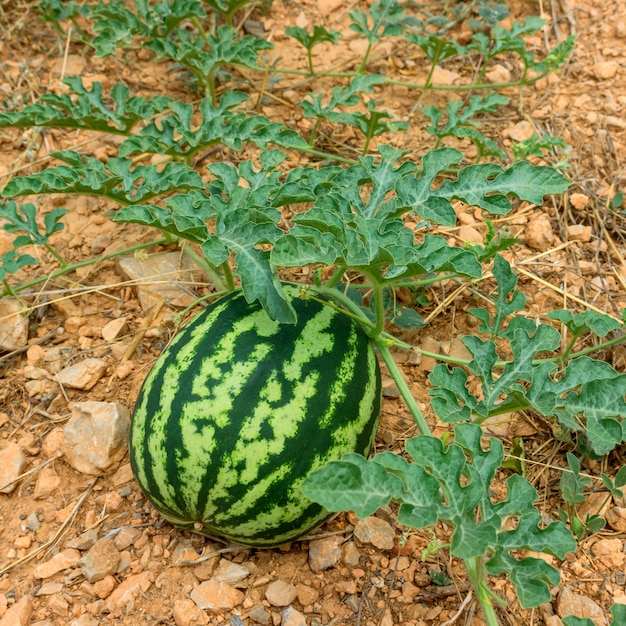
x=402, y=385
x=478, y=577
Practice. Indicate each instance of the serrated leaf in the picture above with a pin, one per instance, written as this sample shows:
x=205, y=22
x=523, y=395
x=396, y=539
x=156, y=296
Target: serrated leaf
x=11, y=262
x=23, y=219
x=116, y=179
x=578, y=323
x=86, y=109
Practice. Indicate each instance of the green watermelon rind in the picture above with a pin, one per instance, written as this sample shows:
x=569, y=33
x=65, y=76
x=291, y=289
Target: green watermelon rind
x=239, y=409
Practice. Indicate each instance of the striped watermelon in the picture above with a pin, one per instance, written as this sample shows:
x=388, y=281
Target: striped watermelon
x=239, y=409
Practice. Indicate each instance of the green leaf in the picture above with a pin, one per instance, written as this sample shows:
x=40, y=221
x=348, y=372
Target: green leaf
x=589, y=321
x=572, y=484
x=352, y=484
x=11, y=262
x=310, y=40
x=116, y=179
x=88, y=109
x=386, y=17
x=23, y=219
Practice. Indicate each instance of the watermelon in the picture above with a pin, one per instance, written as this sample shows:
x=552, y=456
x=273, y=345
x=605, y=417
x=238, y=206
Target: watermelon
x=239, y=409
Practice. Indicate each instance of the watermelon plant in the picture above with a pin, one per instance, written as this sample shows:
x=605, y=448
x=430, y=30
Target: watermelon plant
x=269, y=383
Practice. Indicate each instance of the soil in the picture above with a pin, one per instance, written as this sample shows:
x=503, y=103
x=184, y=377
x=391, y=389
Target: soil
x=570, y=255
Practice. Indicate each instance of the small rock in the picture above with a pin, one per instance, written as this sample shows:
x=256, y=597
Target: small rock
x=126, y=536
x=579, y=201
x=579, y=605
x=48, y=482
x=13, y=325
x=66, y=559
x=84, y=541
x=96, y=437
x=128, y=590
x=430, y=344
x=616, y=518
x=12, y=464
x=376, y=531
x=620, y=28
x=103, y=588
x=442, y=76
x=186, y=613
x=35, y=355
x=161, y=276
x=324, y=553
x=553, y=620
x=610, y=552
x=579, y=232
x=112, y=329
x=49, y=589
x=605, y=70
x=83, y=375
x=216, y=597
x=280, y=593
x=229, y=572
x=19, y=614
x=351, y=554
x=538, y=234
x=84, y=620
x=101, y=560
x=470, y=235
x=498, y=74
x=519, y=132
x=306, y=595
x=259, y=614
x=291, y=617
x=100, y=244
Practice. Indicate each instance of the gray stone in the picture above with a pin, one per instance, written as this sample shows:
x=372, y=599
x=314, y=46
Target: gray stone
x=82, y=375
x=291, y=617
x=229, y=572
x=376, y=531
x=102, y=560
x=96, y=437
x=13, y=325
x=324, y=553
x=12, y=464
x=280, y=593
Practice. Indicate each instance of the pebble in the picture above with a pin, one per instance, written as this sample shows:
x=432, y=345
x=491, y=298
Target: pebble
x=498, y=74
x=49, y=589
x=579, y=200
x=324, y=553
x=48, y=482
x=12, y=463
x=280, y=593
x=538, y=234
x=13, y=325
x=351, y=554
x=186, y=613
x=306, y=595
x=128, y=590
x=610, y=552
x=579, y=232
x=66, y=559
x=83, y=375
x=470, y=235
x=442, y=76
x=19, y=614
x=616, y=518
x=102, y=560
x=159, y=277
x=112, y=330
x=84, y=541
x=103, y=588
x=96, y=437
x=216, y=597
x=229, y=572
x=376, y=531
x=292, y=617
x=519, y=132
x=579, y=605
x=259, y=614
x=605, y=70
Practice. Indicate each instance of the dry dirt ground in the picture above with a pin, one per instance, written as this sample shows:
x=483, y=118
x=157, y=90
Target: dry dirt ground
x=53, y=509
